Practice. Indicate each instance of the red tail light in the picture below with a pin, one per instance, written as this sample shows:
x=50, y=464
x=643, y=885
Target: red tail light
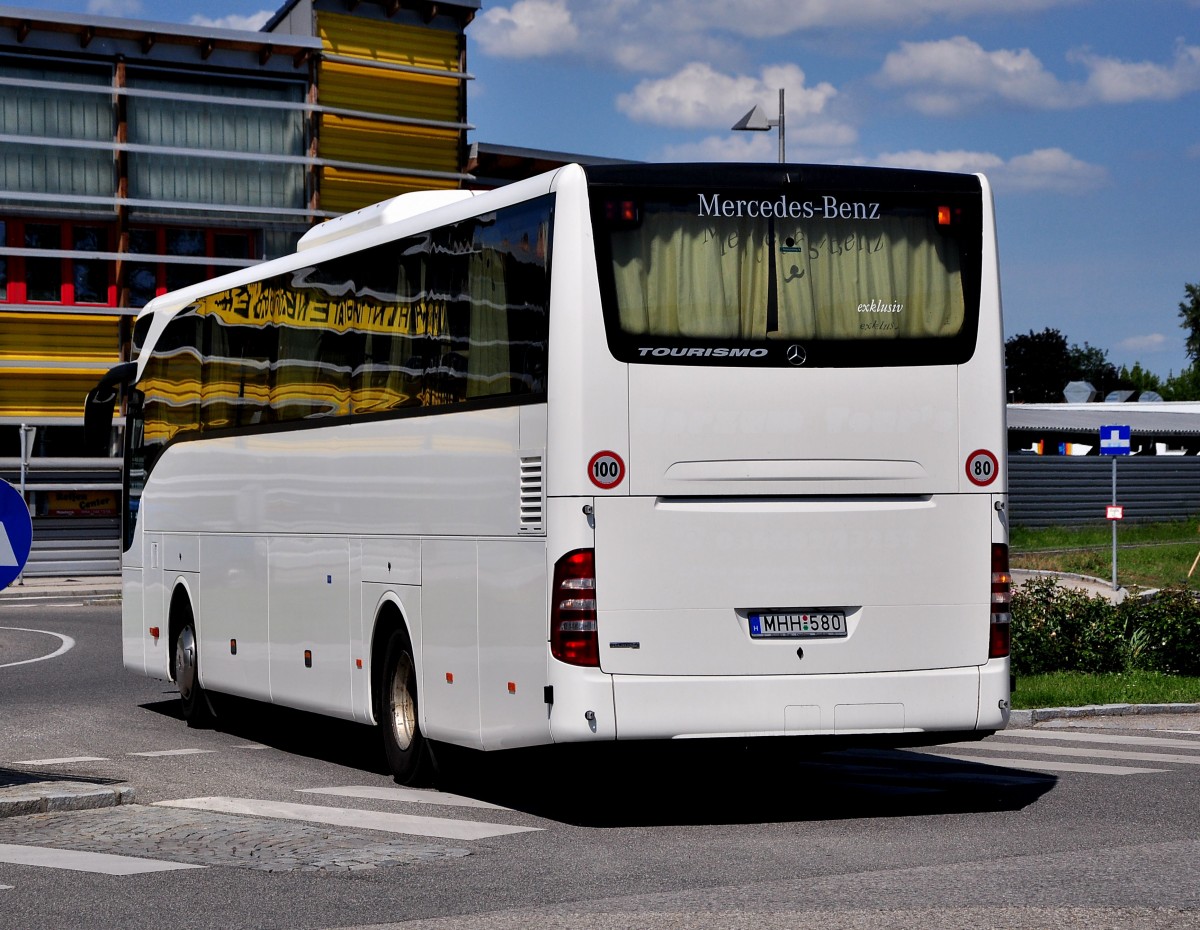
x=1001, y=628
x=573, y=609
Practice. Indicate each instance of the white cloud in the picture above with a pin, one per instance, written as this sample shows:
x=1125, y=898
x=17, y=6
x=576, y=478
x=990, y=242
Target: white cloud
x=127, y=9
x=1114, y=81
x=1044, y=170
x=957, y=75
x=1150, y=342
x=773, y=18
x=527, y=29
x=738, y=146
x=657, y=36
x=954, y=75
x=251, y=23
x=700, y=96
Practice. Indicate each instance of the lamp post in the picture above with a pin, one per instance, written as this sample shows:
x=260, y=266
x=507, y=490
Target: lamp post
x=756, y=121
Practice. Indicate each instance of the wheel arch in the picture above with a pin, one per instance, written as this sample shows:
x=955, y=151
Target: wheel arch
x=390, y=618
x=178, y=614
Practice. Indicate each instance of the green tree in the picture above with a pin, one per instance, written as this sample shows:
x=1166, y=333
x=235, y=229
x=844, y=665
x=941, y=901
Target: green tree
x=1189, y=313
x=1183, y=386
x=1037, y=366
x=1087, y=363
x=1139, y=379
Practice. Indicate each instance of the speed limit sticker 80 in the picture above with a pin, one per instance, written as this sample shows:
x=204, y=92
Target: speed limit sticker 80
x=982, y=467
x=606, y=470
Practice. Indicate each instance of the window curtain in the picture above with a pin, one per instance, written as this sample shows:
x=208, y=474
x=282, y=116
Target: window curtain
x=688, y=276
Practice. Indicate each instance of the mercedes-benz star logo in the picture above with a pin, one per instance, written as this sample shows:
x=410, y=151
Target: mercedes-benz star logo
x=796, y=355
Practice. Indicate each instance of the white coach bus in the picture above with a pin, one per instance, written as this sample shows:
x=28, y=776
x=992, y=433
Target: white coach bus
x=613, y=453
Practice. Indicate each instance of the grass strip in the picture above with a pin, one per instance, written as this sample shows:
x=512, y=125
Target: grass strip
x=1149, y=555
x=1077, y=689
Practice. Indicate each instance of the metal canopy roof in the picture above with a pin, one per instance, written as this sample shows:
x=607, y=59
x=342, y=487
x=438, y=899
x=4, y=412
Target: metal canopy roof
x=1163, y=421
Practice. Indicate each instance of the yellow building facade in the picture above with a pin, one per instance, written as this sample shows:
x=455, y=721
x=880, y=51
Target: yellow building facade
x=138, y=157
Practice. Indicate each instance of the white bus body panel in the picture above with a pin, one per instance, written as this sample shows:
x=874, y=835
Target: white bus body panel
x=680, y=578
x=297, y=536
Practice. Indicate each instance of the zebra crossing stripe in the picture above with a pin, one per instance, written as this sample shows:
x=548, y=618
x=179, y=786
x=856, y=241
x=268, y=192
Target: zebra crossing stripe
x=1042, y=765
x=409, y=795
x=1114, y=754
x=408, y=824
x=76, y=861
x=1071, y=736
x=173, y=752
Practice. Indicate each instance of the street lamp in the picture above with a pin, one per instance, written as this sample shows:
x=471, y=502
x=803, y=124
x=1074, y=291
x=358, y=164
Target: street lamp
x=756, y=121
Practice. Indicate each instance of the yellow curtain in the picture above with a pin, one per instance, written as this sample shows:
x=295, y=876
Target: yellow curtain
x=680, y=275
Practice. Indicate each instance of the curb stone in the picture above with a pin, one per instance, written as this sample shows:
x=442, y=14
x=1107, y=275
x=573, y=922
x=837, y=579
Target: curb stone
x=53, y=797
x=1027, y=718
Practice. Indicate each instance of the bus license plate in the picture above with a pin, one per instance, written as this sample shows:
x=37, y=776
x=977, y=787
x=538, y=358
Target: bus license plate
x=800, y=625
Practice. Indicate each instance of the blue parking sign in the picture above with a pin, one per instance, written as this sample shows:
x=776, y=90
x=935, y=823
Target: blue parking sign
x=1115, y=440
x=16, y=534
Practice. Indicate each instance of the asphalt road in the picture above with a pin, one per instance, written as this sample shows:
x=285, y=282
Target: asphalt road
x=284, y=820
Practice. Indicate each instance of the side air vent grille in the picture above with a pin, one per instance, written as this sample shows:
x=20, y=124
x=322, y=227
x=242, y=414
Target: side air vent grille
x=533, y=495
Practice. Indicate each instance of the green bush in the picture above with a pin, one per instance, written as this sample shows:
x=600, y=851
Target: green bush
x=1058, y=629
x=1164, y=632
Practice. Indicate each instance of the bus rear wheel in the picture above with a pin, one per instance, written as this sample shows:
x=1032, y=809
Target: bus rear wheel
x=405, y=746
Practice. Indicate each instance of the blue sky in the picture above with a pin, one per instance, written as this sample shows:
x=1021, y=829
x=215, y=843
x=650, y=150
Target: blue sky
x=1083, y=113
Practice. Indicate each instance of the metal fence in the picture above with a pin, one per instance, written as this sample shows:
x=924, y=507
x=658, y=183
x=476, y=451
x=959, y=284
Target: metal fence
x=1065, y=489
x=1043, y=491
x=68, y=545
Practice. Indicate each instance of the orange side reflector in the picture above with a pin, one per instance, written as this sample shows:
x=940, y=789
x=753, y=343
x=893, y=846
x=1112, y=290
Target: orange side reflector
x=308, y=658
x=943, y=216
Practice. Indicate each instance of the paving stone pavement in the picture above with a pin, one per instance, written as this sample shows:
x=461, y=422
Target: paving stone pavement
x=217, y=840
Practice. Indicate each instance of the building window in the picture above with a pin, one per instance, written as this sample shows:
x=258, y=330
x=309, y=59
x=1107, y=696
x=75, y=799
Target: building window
x=65, y=279
x=43, y=276
x=205, y=246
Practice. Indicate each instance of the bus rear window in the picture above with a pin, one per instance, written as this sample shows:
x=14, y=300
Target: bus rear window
x=789, y=277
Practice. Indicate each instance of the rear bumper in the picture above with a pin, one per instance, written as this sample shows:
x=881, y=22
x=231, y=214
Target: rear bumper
x=961, y=699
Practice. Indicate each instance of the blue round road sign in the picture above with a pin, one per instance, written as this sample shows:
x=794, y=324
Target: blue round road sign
x=16, y=534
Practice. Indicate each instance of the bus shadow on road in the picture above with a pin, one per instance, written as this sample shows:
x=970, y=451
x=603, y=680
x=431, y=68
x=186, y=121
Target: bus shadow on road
x=732, y=782
x=313, y=736
x=690, y=782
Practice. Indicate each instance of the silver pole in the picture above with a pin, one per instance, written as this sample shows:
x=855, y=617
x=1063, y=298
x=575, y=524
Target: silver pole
x=1114, y=522
x=26, y=450
x=782, y=157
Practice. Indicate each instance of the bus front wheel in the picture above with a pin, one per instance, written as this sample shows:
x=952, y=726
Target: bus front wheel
x=196, y=709
x=406, y=748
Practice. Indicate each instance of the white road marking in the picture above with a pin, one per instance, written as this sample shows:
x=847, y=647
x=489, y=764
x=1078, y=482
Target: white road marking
x=102, y=863
x=1071, y=736
x=67, y=761
x=407, y=824
x=66, y=644
x=173, y=752
x=1086, y=753
x=1041, y=765
x=411, y=795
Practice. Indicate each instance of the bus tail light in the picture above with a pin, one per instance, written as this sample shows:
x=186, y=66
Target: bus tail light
x=1001, y=627
x=573, y=636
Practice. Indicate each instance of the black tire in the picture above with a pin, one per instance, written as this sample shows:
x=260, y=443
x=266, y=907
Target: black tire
x=404, y=744
x=197, y=710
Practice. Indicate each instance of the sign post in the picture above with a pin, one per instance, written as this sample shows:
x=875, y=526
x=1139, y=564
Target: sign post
x=1114, y=441
x=16, y=534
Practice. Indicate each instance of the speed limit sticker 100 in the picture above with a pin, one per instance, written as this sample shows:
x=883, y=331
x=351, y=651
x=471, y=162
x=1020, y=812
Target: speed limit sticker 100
x=606, y=470
x=982, y=467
